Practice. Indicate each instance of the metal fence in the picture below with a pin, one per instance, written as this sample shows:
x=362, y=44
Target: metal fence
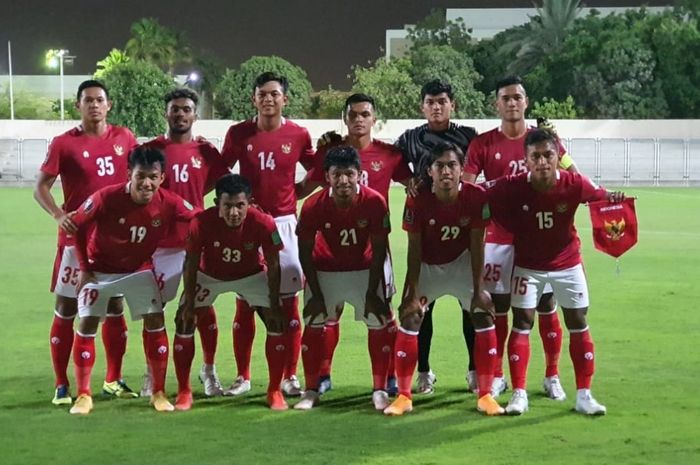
x=621, y=162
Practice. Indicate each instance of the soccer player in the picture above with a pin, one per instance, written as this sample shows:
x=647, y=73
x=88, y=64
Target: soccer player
x=380, y=163
x=224, y=255
x=87, y=158
x=118, y=229
x=193, y=167
x=268, y=148
x=538, y=209
x=445, y=224
x=343, y=233
x=437, y=105
x=497, y=153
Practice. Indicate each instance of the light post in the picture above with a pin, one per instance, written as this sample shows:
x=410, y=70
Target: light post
x=55, y=58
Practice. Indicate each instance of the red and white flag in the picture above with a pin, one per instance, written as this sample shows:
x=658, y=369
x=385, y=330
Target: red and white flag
x=614, y=226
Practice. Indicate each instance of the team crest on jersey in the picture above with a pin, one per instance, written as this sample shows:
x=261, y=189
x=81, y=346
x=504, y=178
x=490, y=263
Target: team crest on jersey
x=88, y=205
x=217, y=244
x=615, y=229
x=86, y=154
x=156, y=222
x=287, y=148
x=196, y=162
x=362, y=223
x=497, y=156
x=562, y=207
x=377, y=165
x=464, y=221
x=248, y=246
x=118, y=149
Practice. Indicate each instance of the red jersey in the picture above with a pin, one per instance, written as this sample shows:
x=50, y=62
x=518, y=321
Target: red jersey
x=343, y=239
x=125, y=234
x=542, y=223
x=192, y=169
x=445, y=229
x=87, y=163
x=229, y=253
x=496, y=155
x=380, y=162
x=269, y=160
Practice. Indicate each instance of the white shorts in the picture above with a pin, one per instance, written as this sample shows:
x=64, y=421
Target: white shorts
x=569, y=287
x=498, y=268
x=65, y=273
x=290, y=266
x=253, y=289
x=339, y=287
x=139, y=289
x=167, y=266
x=454, y=278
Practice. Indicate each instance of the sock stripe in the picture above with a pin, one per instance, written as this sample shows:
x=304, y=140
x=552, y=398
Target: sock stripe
x=184, y=336
x=576, y=331
x=115, y=315
x=62, y=317
x=162, y=328
x=410, y=333
x=524, y=332
x=85, y=335
x=492, y=327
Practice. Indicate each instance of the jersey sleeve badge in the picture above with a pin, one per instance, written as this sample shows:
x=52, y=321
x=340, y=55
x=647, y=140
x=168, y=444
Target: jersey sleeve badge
x=276, y=239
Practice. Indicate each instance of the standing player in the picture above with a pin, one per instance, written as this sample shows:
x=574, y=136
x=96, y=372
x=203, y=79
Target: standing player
x=343, y=232
x=87, y=158
x=437, y=105
x=224, y=255
x=268, y=148
x=193, y=167
x=538, y=209
x=445, y=224
x=381, y=163
x=118, y=229
x=497, y=153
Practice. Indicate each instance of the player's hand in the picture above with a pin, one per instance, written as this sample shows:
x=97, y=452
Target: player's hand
x=414, y=185
x=85, y=277
x=314, y=308
x=615, y=197
x=374, y=305
x=544, y=123
x=66, y=223
x=410, y=307
x=330, y=137
x=185, y=315
x=482, y=300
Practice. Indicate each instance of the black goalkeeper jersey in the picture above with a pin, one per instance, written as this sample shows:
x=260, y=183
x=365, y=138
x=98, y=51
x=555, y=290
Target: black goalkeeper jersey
x=416, y=144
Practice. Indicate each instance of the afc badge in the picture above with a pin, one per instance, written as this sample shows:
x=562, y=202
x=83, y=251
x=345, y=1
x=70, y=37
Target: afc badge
x=196, y=162
x=287, y=148
x=156, y=222
x=86, y=154
x=562, y=207
x=377, y=165
x=248, y=246
x=118, y=150
x=362, y=223
x=497, y=156
x=615, y=230
x=464, y=221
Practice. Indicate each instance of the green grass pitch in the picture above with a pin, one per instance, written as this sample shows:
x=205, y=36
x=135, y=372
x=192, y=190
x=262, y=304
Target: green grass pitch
x=644, y=321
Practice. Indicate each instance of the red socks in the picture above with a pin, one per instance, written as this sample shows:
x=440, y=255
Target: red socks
x=243, y=335
x=61, y=343
x=157, y=355
x=208, y=333
x=519, y=357
x=311, y=356
x=331, y=336
x=486, y=355
x=84, y=360
x=551, y=334
x=391, y=330
x=380, y=351
x=183, y=354
x=582, y=355
x=501, y=322
x=290, y=307
x=276, y=355
x=114, y=335
x=405, y=359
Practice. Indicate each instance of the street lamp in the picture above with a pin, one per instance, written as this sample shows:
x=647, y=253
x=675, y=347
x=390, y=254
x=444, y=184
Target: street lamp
x=55, y=58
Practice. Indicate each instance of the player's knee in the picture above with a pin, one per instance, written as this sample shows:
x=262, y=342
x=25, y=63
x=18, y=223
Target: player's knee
x=575, y=318
x=153, y=321
x=115, y=306
x=547, y=303
x=480, y=319
x=88, y=325
x=66, y=307
x=501, y=302
x=523, y=318
x=411, y=322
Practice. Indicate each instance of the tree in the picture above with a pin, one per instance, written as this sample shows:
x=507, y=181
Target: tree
x=392, y=87
x=160, y=45
x=27, y=105
x=115, y=57
x=435, y=29
x=234, y=92
x=553, y=109
x=444, y=62
x=328, y=103
x=137, y=89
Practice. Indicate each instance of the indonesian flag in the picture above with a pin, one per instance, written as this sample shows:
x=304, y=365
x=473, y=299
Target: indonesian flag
x=614, y=226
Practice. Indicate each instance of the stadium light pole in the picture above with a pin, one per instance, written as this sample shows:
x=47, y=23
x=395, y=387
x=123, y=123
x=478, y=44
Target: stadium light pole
x=55, y=58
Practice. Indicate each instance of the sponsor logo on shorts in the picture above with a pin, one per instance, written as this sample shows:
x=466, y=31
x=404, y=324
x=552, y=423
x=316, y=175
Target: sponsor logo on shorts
x=386, y=349
x=236, y=325
x=294, y=323
x=287, y=148
x=212, y=327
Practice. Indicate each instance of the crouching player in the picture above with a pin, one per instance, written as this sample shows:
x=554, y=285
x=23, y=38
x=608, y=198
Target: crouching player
x=119, y=228
x=538, y=208
x=343, y=232
x=223, y=255
x=445, y=225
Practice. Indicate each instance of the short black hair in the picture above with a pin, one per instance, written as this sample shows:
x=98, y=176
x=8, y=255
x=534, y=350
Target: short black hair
x=146, y=156
x=342, y=156
x=536, y=136
x=509, y=81
x=181, y=93
x=268, y=76
x=438, y=150
x=436, y=87
x=232, y=184
x=90, y=83
x=358, y=98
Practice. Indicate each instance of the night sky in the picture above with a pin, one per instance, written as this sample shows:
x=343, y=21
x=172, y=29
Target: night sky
x=324, y=37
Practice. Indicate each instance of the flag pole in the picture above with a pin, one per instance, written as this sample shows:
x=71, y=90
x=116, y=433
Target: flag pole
x=12, y=95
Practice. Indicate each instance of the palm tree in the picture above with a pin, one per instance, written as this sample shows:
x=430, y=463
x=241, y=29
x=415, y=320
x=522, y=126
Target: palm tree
x=115, y=57
x=158, y=44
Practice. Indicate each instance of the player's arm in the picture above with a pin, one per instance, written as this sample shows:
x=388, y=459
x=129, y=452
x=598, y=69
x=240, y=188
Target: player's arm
x=480, y=298
x=373, y=303
x=590, y=192
x=189, y=279
x=410, y=304
x=308, y=185
x=276, y=321
x=43, y=196
x=84, y=217
x=566, y=162
x=316, y=305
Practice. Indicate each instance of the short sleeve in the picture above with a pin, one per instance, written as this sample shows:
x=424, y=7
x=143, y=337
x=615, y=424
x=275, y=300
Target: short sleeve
x=52, y=162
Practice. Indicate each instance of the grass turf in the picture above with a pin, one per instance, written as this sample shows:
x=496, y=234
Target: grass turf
x=643, y=321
